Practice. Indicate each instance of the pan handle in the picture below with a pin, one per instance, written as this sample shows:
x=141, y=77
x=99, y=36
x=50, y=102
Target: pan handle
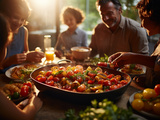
x=64, y=60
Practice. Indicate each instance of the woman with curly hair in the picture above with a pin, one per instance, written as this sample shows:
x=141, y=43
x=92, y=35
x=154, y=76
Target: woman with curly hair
x=149, y=13
x=73, y=36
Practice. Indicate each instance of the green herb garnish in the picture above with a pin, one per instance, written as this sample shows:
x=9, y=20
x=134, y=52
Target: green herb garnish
x=105, y=110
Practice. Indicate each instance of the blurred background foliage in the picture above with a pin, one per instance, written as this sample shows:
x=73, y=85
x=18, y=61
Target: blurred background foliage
x=44, y=13
x=92, y=15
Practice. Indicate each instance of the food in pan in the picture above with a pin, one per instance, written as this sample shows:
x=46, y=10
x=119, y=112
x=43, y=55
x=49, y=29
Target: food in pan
x=23, y=71
x=78, y=79
x=148, y=100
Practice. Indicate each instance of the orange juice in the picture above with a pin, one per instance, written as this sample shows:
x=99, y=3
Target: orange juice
x=49, y=56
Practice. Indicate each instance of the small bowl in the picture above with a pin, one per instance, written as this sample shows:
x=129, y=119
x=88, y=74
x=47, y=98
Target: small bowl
x=80, y=53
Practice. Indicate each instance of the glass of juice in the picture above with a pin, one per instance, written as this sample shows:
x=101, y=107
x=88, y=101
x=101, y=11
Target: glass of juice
x=49, y=53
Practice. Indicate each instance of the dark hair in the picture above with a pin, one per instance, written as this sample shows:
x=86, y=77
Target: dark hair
x=150, y=9
x=8, y=7
x=102, y=2
x=77, y=13
x=4, y=31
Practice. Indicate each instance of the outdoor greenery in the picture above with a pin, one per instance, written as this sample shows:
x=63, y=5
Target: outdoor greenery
x=92, y=15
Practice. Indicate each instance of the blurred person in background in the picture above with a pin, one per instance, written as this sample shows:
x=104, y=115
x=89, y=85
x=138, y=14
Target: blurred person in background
x=17, y=12
x=73, y=36
x=149, y=13
x=9, y=110
x=117, y=33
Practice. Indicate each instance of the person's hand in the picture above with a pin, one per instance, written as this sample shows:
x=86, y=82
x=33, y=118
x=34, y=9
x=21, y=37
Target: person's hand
x=36, y=101
x=119, y=59
x=18, y=58
x=34, y=56
x=58, y=54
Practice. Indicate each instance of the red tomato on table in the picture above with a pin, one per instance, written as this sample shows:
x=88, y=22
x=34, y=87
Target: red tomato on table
x=28, y=83
x=157, y=89
x=24, y=91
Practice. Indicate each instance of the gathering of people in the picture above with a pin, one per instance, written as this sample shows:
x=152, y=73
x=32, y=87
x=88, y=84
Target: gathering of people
x=124, y=40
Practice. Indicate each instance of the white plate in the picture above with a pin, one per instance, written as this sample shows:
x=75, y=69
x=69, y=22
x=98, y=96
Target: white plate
x=143, y=112
x=9, y=71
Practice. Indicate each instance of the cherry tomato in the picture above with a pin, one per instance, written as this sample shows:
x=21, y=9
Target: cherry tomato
x=81, y=88
x=123, y=82
x=107, y=83
x=79, y=79
x=157, y=89
x=114, y=81
x=41, y=78
x=28, y=83
x=91, y=81
x=91, y=74
x=49, y=82
x=149, y=93
x=56, y=79
x=137, y=104
x=70, y=74
x=110, y=76
x=80, y=68
x=68, y=87
x=138, y=96
x=50, y=77
x=113, y=87
x=24, y=91
x=148, y=106
x=60, y=75
x=119, y=85
x=156, y=108
x=38, y=77
x=48, y=73
x=103, y=64
x=101, y=81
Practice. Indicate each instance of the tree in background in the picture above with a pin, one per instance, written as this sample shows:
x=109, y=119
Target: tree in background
x=129, y=9
x=92, y=15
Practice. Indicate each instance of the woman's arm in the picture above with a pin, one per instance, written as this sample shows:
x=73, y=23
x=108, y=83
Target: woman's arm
x=10, y=111
x=26, y=48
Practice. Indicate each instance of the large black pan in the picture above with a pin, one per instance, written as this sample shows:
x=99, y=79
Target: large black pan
x=77, y=96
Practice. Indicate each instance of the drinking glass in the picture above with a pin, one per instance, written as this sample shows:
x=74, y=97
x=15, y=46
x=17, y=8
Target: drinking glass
x=49, y=53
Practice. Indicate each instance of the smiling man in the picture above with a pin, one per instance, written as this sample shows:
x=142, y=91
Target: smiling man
x=117, y=33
